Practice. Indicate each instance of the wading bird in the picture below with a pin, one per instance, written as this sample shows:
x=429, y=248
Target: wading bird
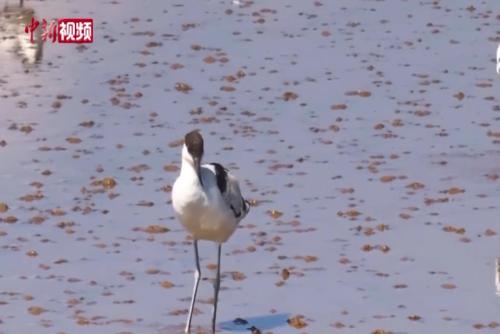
x=498, y=59
x=208, y=202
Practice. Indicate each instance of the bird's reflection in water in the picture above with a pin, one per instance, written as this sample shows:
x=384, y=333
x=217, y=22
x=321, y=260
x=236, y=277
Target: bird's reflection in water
x=14, y=39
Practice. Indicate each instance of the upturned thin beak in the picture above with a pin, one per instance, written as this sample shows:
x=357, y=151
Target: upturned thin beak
x=197, y=167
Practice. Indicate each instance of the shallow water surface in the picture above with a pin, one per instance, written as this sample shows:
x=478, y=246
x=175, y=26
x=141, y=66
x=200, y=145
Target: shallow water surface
x=365, y=133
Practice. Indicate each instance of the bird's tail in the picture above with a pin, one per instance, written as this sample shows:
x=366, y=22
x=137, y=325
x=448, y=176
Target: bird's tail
x=246, y=209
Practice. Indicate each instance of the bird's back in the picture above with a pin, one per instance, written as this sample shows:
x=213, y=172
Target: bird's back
x=227, y=190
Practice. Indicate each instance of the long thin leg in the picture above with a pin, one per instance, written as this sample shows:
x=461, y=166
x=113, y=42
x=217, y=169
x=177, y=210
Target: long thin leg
x=197, y=276
x=216, y=288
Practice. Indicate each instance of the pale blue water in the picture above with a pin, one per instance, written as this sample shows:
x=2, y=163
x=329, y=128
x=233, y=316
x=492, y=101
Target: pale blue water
x=411, y=56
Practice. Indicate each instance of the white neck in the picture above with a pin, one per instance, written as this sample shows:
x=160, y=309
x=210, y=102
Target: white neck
x=188, y=169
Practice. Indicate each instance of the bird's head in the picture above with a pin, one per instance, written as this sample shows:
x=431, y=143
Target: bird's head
x=192, y=151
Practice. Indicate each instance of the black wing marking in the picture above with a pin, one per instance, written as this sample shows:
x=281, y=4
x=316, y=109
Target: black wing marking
x=230, y=191
x=221, y=176
x=236, y=214
x=245, y=205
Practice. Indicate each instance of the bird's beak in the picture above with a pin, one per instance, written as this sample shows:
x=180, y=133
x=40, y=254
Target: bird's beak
x=197, y=167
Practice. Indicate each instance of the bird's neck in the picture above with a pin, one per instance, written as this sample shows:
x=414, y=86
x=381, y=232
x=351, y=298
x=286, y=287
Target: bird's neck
x=188, y=171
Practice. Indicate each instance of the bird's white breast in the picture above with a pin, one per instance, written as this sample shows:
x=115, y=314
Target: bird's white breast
x=202, y=212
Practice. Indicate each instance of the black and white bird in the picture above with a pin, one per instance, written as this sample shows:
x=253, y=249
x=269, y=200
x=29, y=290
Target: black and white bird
x=208, y=202
x=498, y=59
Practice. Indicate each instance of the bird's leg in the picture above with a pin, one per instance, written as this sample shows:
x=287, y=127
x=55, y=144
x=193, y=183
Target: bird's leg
x=197, y=276
x=216, y=288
